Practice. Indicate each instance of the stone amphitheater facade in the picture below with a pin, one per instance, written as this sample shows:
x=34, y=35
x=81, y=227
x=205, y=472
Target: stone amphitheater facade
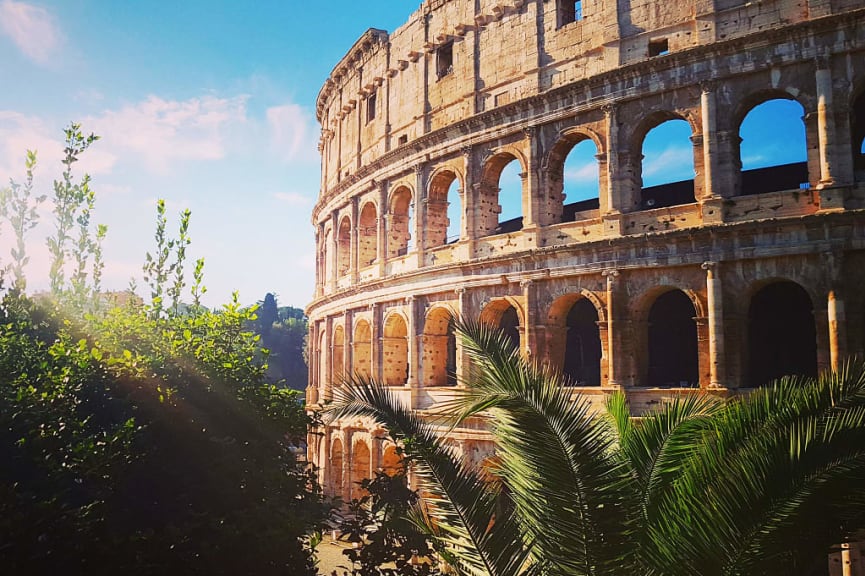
x=717, y=283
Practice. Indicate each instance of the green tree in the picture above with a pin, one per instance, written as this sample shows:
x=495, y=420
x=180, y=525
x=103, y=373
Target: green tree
x=18, y=206
x=765, y=483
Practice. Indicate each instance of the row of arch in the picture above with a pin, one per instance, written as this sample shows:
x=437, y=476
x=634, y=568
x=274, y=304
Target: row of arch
x=781, y=339
x=347, y=468
x=664, y=176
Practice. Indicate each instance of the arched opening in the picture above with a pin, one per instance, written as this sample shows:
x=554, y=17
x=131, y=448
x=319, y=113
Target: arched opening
x=336, y=485
x=367, y=239
x=575, y=178
x=782, y=337
x=443, y=214
x=395, y=351
x=672, y=339
x=772, y=154
x=401, y=216
x=503, y=315
x=343, y=247
x=500, y=209
x=360, y=458
x=667, y=171
x=338, y=354
x=857, y=133
x=582, y=363
x=362, y=349
x=391, y=461
x=509, y=323
x=439, y=349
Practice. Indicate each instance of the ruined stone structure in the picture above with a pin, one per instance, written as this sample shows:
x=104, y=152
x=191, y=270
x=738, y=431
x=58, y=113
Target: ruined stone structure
x=717, y=283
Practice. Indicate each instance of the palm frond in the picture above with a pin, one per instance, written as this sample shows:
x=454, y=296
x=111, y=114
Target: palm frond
x=571, y=494
x=462, y=505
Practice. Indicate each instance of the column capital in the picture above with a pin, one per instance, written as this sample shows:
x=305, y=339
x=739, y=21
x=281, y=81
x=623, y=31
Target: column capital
x=610, y=274
x=466, y=151
x=708, y=86
x=459, y=291
x=609, y=109
x=709, y=266
x=526, y=283
x=530, y=131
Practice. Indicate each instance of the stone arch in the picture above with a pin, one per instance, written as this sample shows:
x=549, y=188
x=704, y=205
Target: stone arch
x=361, y=456
x=362, y=349
x=337, y=486
x=666, y=193
x=439, y=348
x=782, y=332
x=489, y=202
x=391, y=461
x=343, y=246
x=767, y=176
x=439, y=206
x=574, y=342
x=338, y=354
x=395, y=350
x=400, y=209
x=367, y=238
x=669, y=343
x=506, y=315
x=554, y=167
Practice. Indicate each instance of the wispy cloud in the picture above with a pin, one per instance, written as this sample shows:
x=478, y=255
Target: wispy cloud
x=669, y=164
x=584, y=173
x=162, y=132
x=31, y=29
x=292, y=135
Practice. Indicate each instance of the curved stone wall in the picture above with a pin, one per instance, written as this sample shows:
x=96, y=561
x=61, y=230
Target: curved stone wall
x=712, y=284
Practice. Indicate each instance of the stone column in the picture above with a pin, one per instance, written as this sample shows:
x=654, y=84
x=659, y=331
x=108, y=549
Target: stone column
x=354, y=242
x=462, y=360
x=375, y=342
x=708, y=112
x=413, y=348
x=612, y=368
x=826, y=136
x=348, y=343
x=535, y=209
x=529, y=341
x=419, y=213
x=328, y=368
x=382, y=229
x=347, y=450
x=837, y=336
x=714, y=291
x=334, y=241
x=469, y=199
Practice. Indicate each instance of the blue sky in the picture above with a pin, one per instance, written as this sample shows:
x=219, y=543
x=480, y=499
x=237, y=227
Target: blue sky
x=208, y=104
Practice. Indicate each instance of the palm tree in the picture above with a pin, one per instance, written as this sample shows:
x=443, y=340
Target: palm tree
x=763, y=484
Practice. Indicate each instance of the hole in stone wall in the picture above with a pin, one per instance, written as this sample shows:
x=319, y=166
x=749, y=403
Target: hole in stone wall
x=668, y=165
x=510, y=198
x=370, y=108
x=772, y=151
x=583, y=345
x=782, y=337
x=659, y=47
x=509, y=323
x=580, y=180
x=570, y=11
x=445, y=59
x=672, y=334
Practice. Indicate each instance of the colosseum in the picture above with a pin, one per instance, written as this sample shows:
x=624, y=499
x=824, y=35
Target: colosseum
x=718, y=282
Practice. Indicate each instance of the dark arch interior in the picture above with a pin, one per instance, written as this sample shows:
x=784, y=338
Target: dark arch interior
x=509, y=323
x=673, y=341
x=451, y=362
x=857, y=121
x=583, y=345
x=781, y=333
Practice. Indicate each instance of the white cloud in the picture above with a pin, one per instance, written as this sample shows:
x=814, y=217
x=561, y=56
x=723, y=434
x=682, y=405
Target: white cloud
x=292, y=198
x=162, y=132
x=586, y=173
x=31, y=28
x=671, y=161
x=292, y=134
